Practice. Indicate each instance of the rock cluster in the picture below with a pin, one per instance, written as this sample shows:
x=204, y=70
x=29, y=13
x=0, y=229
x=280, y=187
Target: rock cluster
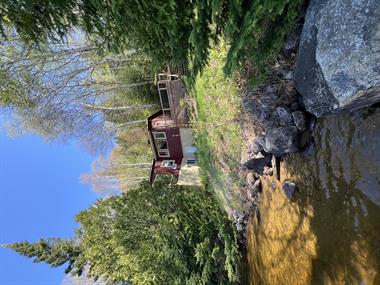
x=275, y=124
x=276, y=110
x=253, y=190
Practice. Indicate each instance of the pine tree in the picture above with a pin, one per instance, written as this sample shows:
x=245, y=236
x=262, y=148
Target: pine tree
x=38, y=20
x=53, y=251
x=160, y=234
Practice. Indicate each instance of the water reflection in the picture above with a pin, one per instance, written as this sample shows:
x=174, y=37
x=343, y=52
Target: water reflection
x=330, y=232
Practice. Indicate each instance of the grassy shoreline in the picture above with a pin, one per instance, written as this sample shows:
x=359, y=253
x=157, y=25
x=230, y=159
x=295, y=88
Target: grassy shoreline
x=215, y=121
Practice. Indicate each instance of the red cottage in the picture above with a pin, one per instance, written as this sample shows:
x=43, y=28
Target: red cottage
x=170, y=136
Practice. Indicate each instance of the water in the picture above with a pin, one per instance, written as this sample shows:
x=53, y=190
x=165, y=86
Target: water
x=329, y=233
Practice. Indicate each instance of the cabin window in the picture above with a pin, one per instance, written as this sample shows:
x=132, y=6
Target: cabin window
x=161, y=144
x=162, y=76
x=168, y=163
x=163, y=153
x=190, y=161
x=159, y=135
x=161, y=85
x=164, y=99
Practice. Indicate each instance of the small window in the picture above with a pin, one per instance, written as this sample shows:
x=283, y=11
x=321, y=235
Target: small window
x=168, y=163
x=162, y=86
x=164, y=99
x=159, y=135
x=163, y=153
x=162, y=77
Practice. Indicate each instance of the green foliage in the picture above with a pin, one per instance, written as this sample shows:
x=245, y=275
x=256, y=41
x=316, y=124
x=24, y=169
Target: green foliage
x=258, y=33
x=160, y=234
x=12, y=93
x=53, y=251
x=168, y=31
x=160, y=28
x=38, y=20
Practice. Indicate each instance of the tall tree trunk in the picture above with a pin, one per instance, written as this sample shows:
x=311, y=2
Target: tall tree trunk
x=133, y=108
x=130, y=123
x=142, y=165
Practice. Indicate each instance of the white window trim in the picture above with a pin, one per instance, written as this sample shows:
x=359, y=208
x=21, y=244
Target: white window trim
x=155, y=143
x=167, y=92
x=167, y=161
x=161, y=133
x=161, y=155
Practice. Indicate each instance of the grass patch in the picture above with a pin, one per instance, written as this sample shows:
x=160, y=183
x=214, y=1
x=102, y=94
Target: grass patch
x=217, y=131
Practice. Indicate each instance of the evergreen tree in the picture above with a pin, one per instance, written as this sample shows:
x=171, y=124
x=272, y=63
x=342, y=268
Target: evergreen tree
x=53, y=251
x=168, y=31
x=38, y=20
x=160, y=234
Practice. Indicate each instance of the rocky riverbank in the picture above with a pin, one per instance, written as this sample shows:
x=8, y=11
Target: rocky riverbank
x=274, y=124
x=329, y=65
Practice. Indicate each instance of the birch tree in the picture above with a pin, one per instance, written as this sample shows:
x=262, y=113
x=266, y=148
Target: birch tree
x=69, y=91
x=127, y=165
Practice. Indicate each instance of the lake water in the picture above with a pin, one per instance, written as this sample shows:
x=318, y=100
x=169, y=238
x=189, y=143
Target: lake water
x=329, y=232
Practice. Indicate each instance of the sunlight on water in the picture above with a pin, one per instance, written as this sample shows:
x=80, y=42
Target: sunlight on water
x=329, y=233
x=282, y=247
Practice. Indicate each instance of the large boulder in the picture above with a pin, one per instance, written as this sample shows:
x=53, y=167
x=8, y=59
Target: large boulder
x=289, y=188
x=338, y=65
x=282, y=140
x=258, y=161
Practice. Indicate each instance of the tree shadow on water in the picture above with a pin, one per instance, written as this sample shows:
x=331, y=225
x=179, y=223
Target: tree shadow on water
x=346, y=223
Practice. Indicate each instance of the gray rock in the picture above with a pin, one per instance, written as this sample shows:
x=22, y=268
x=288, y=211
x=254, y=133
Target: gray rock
x=257, y=145
x=312, y=122
x=268, y=170
x=259, y=111
x=305, y=139
x=239, y=227
x=258, y=162
x=289, y=188
x=282, y=140
x=284, y=115
x=250, y=179
x=299, y=119
x=294, y=106
x=257, y=186
x=276, y=167
x=338, y=64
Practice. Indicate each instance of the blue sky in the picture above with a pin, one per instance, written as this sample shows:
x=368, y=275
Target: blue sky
x=40, y=193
